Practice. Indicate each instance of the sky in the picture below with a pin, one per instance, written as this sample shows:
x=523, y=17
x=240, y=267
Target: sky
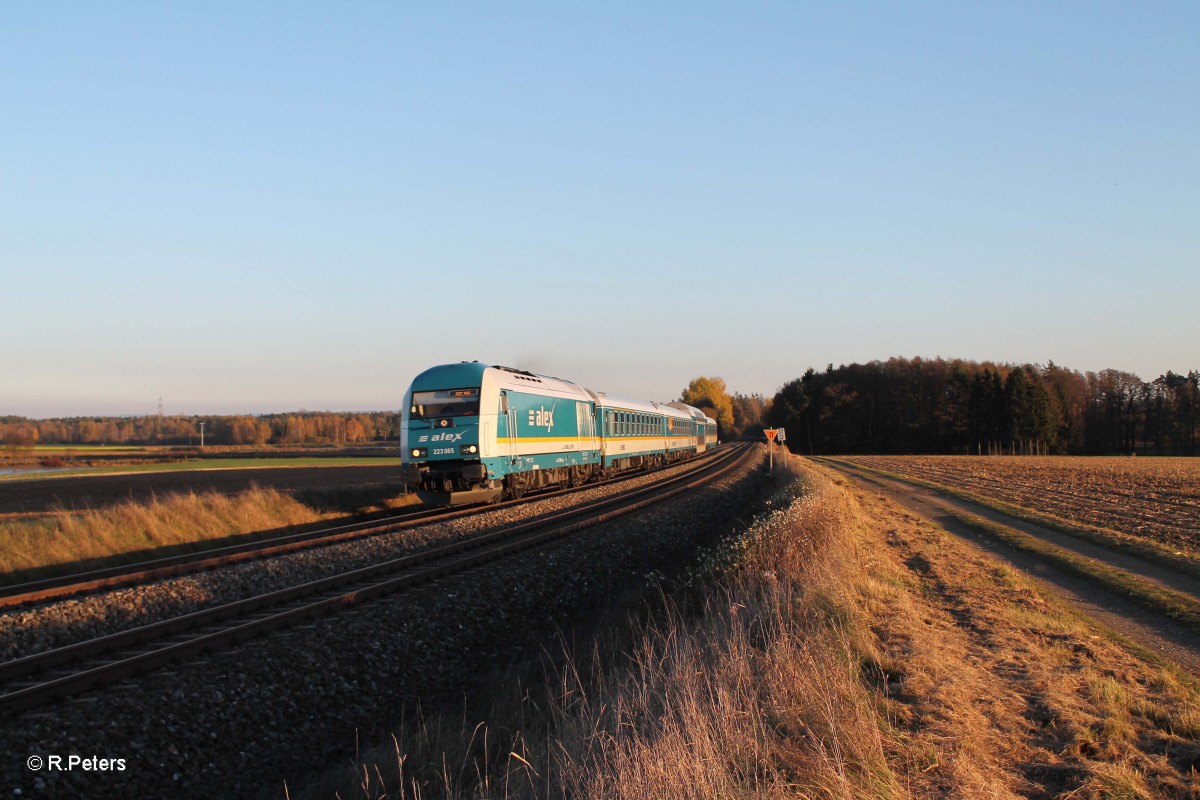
x=257, y=207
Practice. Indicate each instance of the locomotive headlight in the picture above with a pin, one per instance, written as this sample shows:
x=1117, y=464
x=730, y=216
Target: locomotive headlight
x=469, y=449
x=419, y=452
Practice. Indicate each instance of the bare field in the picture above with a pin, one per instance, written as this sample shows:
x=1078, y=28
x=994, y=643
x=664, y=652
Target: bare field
x=1150, y=498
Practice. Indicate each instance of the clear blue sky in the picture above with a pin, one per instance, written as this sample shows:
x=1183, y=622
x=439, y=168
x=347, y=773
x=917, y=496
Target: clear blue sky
x=251, y=207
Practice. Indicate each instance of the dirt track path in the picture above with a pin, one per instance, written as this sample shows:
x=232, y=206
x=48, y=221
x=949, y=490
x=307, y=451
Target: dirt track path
x=1155, y=632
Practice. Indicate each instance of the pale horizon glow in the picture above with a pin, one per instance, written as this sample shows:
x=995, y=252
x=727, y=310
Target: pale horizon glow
x=264, y=208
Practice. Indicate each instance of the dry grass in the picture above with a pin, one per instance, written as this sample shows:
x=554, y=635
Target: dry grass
x=758, y=696
x=29, y=546
x=1019, y=695
x=845, y=649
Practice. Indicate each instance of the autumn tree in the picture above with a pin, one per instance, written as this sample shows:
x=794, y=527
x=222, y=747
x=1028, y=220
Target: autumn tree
x=20, y=438
x=709, y=395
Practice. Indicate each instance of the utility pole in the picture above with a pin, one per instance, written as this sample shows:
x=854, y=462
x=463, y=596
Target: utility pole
x=202, y=424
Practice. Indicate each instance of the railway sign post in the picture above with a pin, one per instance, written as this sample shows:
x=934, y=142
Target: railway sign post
x=771, y=434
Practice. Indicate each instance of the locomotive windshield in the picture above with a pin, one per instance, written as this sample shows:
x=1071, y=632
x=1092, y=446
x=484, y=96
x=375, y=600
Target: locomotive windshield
x=445, y=403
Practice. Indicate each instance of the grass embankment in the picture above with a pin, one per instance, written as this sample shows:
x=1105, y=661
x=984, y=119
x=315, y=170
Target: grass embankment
x=845, y=649
x=69, y=541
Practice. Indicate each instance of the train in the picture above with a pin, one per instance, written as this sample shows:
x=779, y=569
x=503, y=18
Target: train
x=477, y=433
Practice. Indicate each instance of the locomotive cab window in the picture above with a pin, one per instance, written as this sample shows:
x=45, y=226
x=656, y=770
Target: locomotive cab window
x=445, y=403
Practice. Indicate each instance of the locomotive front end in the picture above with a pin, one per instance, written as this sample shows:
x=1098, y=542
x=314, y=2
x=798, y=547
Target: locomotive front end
x=442, y=437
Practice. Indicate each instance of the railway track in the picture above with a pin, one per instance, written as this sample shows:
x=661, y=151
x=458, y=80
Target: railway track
x=129, y=574
x=72, y=669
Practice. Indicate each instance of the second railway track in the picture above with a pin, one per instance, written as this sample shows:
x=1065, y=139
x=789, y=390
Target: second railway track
x=68, y=670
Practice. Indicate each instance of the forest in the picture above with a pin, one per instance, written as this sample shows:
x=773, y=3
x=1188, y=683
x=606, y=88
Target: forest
x=917, y=405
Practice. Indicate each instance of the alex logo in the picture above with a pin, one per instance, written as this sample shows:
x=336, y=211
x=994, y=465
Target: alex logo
x=440, y=437
x=541, y=418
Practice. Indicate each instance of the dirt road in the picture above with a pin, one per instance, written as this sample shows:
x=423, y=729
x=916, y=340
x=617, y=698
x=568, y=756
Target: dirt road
x=1154, y=631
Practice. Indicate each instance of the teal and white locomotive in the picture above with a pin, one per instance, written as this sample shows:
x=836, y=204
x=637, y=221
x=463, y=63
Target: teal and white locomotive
x=474, y=433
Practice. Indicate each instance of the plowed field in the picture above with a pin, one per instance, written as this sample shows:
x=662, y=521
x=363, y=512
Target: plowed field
x=1154, y=498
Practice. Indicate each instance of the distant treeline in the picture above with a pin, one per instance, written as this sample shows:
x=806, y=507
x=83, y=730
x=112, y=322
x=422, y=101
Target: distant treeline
x=937, y=406
x=301, y=427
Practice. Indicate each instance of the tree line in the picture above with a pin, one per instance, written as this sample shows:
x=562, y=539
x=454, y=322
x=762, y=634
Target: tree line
x=902, y=405
x=302, y=427
x=917, y=405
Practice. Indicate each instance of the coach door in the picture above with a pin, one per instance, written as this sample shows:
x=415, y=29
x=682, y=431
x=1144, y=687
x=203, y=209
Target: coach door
x=585, y=424
x=510, y=414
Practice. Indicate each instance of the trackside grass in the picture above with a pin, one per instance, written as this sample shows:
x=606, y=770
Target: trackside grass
x=836, y=647
x=39, y=546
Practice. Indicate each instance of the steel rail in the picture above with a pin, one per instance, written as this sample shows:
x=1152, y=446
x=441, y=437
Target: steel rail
x=185, y=563
x=342, y=590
